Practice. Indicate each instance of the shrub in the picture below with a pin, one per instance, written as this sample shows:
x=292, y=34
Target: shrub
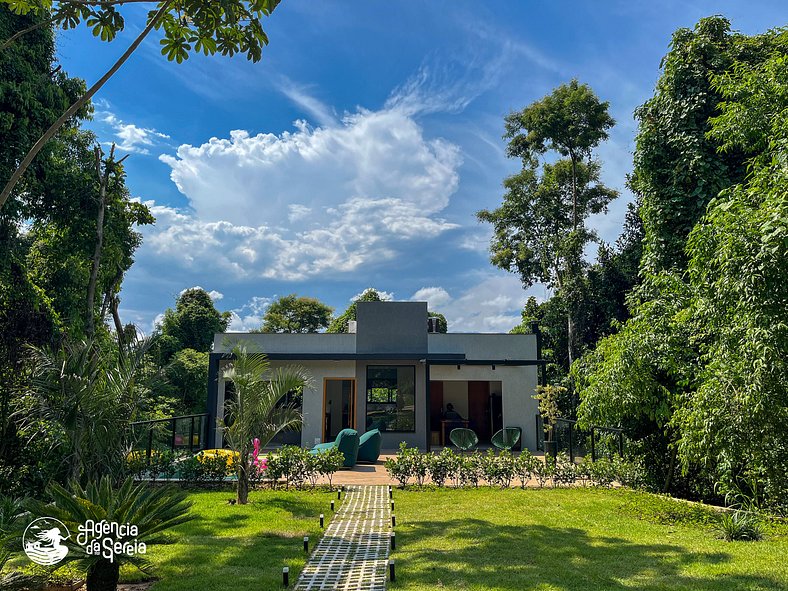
x=602, y=472
x=401, y=467
x=326, y=463
x=583, y=470
x=543, y=470
x=739, y=525
x=471, y=469
x=565, y=471
x=291, y=463
x=443, y=466
x=420, y=465
x=524, y=467
x=498, y=469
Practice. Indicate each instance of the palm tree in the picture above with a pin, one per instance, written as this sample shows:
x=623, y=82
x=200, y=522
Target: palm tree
x=151, y=509
x=88, y=393
x=258, y=409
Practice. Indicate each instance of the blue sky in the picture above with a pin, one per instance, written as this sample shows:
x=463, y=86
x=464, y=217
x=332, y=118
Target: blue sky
x=356, y=152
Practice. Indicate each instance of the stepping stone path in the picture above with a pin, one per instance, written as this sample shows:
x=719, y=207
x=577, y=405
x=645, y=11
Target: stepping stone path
x=353, y=553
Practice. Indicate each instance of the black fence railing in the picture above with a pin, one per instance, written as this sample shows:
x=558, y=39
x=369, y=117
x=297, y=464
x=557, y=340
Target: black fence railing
x=184, y=433
x=569, y=438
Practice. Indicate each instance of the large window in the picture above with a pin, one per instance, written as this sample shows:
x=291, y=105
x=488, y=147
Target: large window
x=391, y=397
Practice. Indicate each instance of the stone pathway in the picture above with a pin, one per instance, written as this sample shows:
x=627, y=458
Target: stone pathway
x=353, y=553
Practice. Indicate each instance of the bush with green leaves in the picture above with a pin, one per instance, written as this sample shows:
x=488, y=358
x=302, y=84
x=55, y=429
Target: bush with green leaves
x=401, y=467
x=739, y=525
x=543, y=470
x=500, y=469
x=565, y=472
x=603, y=472
x=290, y=463
x=525, y=466
x=443, y=466
x=325, y=464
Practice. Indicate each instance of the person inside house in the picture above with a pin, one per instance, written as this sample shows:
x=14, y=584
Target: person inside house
x=450, y=414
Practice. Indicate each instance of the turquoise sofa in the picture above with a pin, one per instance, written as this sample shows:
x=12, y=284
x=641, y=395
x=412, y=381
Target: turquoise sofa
x=369, y=447
x=346, y=442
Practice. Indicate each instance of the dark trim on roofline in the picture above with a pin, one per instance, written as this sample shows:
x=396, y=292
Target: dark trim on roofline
x=431, y=359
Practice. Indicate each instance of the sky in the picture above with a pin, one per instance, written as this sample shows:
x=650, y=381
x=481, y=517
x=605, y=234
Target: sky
x=357, y=151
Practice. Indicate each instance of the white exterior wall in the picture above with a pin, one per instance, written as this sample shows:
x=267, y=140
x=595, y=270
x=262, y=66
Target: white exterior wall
x=311, y=343
x=518, y=385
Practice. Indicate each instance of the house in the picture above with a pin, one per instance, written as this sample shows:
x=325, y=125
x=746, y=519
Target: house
x=393, y=371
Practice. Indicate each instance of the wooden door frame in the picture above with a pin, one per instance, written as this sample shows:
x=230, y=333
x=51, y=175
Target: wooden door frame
x=351, y=409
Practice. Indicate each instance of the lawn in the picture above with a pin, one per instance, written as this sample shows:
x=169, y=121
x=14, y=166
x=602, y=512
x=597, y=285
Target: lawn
x=238, y=547
x=573, y=539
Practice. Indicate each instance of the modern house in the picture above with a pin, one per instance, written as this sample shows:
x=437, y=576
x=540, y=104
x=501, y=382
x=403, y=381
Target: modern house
x=394, y=371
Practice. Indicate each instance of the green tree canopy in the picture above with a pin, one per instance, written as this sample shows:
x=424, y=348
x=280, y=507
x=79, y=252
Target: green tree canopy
x=296, y=314
x=187, y=374
x=191, y=325
x=697, y=375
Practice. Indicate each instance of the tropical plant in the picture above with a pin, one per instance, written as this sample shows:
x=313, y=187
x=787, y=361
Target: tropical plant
x=152, y=510
x=81, y=399
x=739, y=525
x=258, y=409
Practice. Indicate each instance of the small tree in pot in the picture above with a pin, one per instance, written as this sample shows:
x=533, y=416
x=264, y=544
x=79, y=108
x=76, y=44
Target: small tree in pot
x=548, y=396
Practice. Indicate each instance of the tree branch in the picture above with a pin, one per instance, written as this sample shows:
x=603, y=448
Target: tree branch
x=78, y=104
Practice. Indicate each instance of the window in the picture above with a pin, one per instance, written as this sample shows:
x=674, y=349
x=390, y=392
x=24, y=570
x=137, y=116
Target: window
x=391, y=397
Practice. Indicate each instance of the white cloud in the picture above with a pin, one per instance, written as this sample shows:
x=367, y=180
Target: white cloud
x=493, y=304
x=386, y=296
x=128, y=136
x=249, y=316
x=320, y=112
x=436, y=297
x=309, y=201
x=213, y=294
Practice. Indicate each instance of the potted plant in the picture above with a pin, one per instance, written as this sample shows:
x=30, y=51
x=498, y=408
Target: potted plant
x=547, y=396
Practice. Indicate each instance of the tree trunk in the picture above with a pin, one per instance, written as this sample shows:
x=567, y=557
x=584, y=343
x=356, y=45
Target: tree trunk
x=103, y=178
x=570, y=328
x=243, y=485
x=103, y=576
x=574, y=192
x=114, y=302
x=78, y=104
x=671, y=470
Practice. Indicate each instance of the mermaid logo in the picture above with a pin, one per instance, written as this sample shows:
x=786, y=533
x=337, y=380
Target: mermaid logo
x=42, y=541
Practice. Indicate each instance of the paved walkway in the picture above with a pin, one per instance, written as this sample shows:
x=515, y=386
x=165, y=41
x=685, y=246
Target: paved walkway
x=353, y=553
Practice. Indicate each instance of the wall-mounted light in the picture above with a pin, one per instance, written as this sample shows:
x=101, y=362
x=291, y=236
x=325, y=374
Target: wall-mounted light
x=458, y=366
x=493, y=366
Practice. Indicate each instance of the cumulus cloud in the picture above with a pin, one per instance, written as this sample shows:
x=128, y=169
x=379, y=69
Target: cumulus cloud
x=128, y=136
x=249, y=316
x=436, y=297
x=309, y=201
x=492, y=304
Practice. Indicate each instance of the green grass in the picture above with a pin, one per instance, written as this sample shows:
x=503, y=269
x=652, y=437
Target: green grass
x=238, y=547
x=574, y=539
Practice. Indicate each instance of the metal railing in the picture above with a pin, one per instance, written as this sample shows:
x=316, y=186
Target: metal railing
x=185, y=432
x=575, y=442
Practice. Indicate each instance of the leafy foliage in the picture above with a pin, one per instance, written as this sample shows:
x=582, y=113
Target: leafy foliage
x=256, y=410
x=191, y=325
x=293, y=314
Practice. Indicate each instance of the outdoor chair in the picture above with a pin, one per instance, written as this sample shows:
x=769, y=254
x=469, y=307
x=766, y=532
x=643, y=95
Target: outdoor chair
x=506, y=438
x=346, y=442
x=369, y=447
x=464, y=439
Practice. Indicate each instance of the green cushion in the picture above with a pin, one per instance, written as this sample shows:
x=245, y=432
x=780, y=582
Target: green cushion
x=347, y=443
x=369, y=446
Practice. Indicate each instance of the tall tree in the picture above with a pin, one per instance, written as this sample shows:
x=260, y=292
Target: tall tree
x=192, y=324
x=539, y=231
x=227, y=27
x=571, y=121
x=296, y=314
x=696, y=376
